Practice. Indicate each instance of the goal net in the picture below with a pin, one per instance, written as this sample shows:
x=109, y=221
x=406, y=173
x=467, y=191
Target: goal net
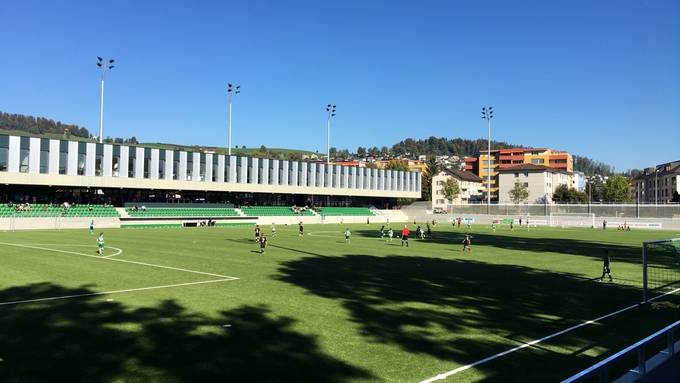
x=572, y=220
x=660, y=267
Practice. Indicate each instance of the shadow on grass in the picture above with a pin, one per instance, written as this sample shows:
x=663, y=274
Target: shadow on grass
x=436, y=306
x=88, y=339
x=519, y=242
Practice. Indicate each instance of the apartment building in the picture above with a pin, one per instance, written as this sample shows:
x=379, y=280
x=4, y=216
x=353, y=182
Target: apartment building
x=541, y=182
x=470, y=187
x=500, y=159
x=657, y=184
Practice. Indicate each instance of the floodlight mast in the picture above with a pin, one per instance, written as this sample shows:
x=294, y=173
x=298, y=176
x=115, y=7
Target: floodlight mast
x=104, y=66
x=487, y=114
x=232, y=90
x=330, y=108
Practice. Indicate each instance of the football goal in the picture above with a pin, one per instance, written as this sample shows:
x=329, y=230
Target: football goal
x=660, y=268
x=571, y=220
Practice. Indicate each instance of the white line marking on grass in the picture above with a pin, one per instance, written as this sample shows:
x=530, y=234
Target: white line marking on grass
x=120, y=260
x=447, y=374
x=111, y=292
x=119, y=251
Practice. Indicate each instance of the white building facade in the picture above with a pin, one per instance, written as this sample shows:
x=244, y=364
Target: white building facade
x=540, y=181
x=42, y=161
x=470, y=186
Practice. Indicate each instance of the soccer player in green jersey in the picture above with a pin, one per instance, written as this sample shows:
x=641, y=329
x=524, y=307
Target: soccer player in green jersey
x=91, y=227
x=347, y=235
x=100, y=244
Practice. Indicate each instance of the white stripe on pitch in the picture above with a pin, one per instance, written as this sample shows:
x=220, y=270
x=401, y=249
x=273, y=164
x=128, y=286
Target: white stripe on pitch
x=447, y=374
x=119, y=260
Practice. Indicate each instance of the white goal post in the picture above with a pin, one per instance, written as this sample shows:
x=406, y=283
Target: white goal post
x=571, y=220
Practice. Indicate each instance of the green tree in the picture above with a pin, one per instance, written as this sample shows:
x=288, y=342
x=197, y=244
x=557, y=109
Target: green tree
x=617, y=189
x=565, y=195
x=397, y=165
x=451, y=189
x=432, y=169
x=519, y=192
x=361, y=151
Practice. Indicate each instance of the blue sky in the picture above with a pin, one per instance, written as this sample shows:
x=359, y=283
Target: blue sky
x=597, y=78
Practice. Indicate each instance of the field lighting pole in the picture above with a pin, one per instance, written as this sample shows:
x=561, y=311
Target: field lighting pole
x=331, y=113
x=487, y=114
x=104, y=66
x=231, y=92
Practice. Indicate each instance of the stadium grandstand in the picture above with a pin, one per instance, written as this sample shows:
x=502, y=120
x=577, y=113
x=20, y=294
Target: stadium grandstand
x=44, y=178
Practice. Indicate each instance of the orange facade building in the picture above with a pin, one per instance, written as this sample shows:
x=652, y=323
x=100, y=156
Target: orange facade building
x=505, y=158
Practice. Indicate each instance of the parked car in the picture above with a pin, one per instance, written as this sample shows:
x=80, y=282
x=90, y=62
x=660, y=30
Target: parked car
x=439, y=210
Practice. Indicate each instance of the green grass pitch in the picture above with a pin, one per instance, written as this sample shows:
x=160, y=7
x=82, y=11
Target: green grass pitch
x=166, y=305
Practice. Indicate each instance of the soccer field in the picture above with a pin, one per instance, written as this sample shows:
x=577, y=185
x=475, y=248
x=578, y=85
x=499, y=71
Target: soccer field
x=201, y=304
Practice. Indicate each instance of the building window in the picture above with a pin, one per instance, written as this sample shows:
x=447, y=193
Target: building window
x=132, y=161
x=44, y=155
x=202, y=167
x=537, y=161
x=190, y=166
x=215, y=169
x=147, y=162
x=99, y=160
x=161, y=164
x=4, y=153
x=175, y=165
x=63, y=156
x=82, y=158
x=24, y=150
x=115, y=161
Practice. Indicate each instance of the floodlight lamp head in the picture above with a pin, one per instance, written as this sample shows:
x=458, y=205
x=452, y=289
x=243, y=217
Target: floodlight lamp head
x=111, y=66
x=99, y=65
x=111, y=61
x=99, y=58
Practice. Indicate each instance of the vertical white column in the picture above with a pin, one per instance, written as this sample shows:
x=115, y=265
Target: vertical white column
x=360, y=178
x=90, y=152
x=220, y=168
x=294, y=172
x=401, y=180
x=311, y=175
x=321, y=175
x=232, y=169
x=197, y=166
x=304, y=169
x=352, y=179
x=107, y=162
x=275, y=172
x=13, y=154
x=72, y=164
x=285, y=172
x=182, y=176
x=53, y=167
x=139, y=164
x=337, y=169
x=34, y=155
x=208, y=167
x=153, y=166
x=345, y=177
x=243, y=171
x=264, y=177
x=381, y=179
x=254, y=170
x=169, y=164
x=124, y=161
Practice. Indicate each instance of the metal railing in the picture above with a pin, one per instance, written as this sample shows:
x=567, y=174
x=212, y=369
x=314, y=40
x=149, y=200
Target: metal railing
x=644, y=365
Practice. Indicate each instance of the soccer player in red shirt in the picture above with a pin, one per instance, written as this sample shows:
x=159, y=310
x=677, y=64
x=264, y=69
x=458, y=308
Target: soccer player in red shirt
x=404, y=235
